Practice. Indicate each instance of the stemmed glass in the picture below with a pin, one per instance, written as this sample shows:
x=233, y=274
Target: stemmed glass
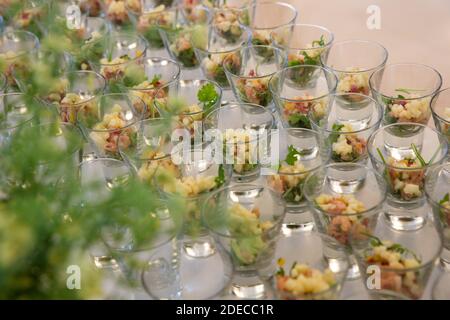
x=354, y=61
x=440, y=108
x=123, y=57
x=304, y=43
x=397, y=265
x=156, y=73
x=17, y=49
x=437, y=192
x=113, y=123
x=311, y=266
x=403, y=153
x=346, y=200
x=187, y=102
x=297, y=90
x=405, y=90
x=31, y=16
x=299, y=153
x=241, y=132
x=345, y=125
x=261, y=26
x=245, y=220
x=249, y=70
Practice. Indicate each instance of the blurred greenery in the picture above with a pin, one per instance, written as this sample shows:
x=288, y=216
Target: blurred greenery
x=45, y=224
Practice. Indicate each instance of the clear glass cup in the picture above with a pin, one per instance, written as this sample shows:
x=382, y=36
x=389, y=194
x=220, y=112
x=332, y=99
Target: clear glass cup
x=193, y=176
x=31, y=16
x=299, y=153
x=77, y=91
x=113, y=124
x=440, y=109
x=397, y=265
x=118, y=14
x=15, y=114
x=315, y=264
x=354, y=61
x=405, y=90
x=304, y=43
x=183, y=100
x=261, y=26
x=249, y=70
x=346, y=200
x=298, y=89
x=441, y=288
x=242, y=131
x=345, y=127
x=156, y=73
x=246, y=220
x=17, y=49
x=122, y=58
x=437, y=191
x=218, y=47
x=404, y=153
x=190, y=32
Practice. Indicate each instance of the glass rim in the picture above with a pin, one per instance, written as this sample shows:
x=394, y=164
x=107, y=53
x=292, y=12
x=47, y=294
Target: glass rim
x=88, y=72
x=375, y=157
x=167, y=85
x=424, y=66
x=225, y=189
x=327, y=71
x=374, y=125
x=141, y=115
x=30, y=35
x=308, y=25
x=29, y=119
x=367, y=169
x=172, y=62
x=276, y=4
x=105, y=159
x=428, y=195
x=239, y=45
x=228, y=72
x=433, y=105
x=372, y=69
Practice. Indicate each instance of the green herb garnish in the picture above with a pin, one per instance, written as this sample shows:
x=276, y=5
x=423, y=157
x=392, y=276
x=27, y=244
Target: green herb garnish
x=220, y=179
x=445, y=199
x=418, y=155
x=292, y=156
x=155, y=80
x=335, y=135
x=395, y=247
x=208, y=96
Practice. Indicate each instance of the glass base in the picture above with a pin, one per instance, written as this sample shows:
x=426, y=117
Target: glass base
x=297, y=220
x=289, y=228
x=445, y=259
x=404, y=222
x=199, y=248
x=250, y=287
x=353, y=270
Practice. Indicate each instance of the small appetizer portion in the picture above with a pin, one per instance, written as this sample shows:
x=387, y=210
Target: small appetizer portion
x=343, y=217
x=237, y=143
x=213, y=68
x=149, y=22
x=396, y=262
x=254, y=90
x=295, y=113
x=248, y=234
x=73, y=103
x=226, y=24
x=407, y=107
x=355, y=81
x=116, y=12
x=183, y=50
x=303, y=282
x=148, y=91
x=346, y=146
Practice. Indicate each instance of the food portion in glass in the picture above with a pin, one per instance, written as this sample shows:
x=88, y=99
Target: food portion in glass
x=440, y=108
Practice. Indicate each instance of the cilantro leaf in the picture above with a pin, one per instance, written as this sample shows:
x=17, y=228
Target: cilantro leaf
x=300, y=120
x=445, y=199
x=292, y=155
x=208, y=96
x=336, y=128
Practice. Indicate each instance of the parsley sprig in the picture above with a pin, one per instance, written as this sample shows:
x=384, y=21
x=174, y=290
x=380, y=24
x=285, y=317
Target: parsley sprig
x=208, y=96
x=292, y=156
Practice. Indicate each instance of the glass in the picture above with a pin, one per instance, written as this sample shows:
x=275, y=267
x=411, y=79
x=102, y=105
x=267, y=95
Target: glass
x=397, y=264
x=441, y=288
x=345, y=127
x=191, y=32
x=403, y=153
x=346, y=200
x=219, y=45
x=299, y=89
x=77, y=92
x=304, y=43
x=123, y=57
x=31, y=16
x=245, y=220
x=193, y=177
x=241, y=130
x=155, y=74
x=116, y=116
x=437, y=191
x=188, y=101
x=310, y=256
x=14, y=113
x=353, y=62
x=117, y=13
x=405, y=90
x=249, y=70
x=261, y=27
x=17, y=49
x=299, y=153
x=440, y=108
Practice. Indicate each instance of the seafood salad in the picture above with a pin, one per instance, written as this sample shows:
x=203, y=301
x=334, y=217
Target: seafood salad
x=73, y=103
x=149, y=23
x=396, y=262
x=254, y=89
x=248, y=230
x=303, y=281
x=345, y=145
x=407, y=107
x=213, y=68
x=310, y=55
x=148, y=91
x=237, y=143
x=295, y=110
x=343, y=217
x=117, y=11
x=353, y=81
x=226, y=24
